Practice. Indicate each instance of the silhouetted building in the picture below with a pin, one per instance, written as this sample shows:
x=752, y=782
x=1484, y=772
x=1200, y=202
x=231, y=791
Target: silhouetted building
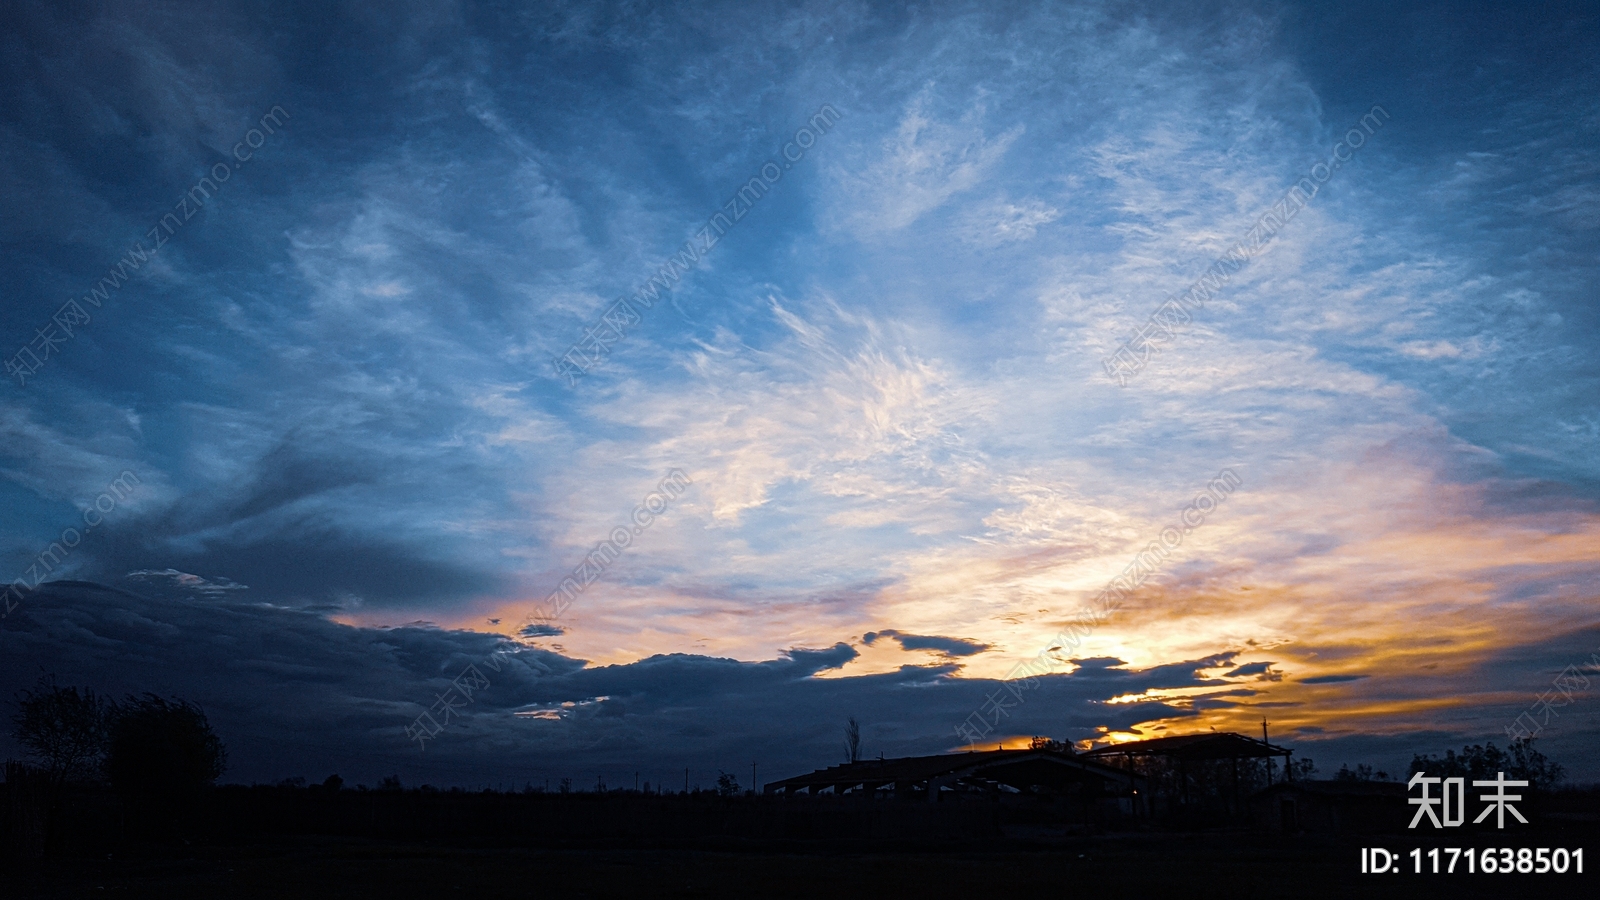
x=955, y=776
x=1199, y=774
x=1353, y=807
x=1210, y=745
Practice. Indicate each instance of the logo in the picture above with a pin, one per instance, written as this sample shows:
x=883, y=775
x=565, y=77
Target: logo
x=1452, y=801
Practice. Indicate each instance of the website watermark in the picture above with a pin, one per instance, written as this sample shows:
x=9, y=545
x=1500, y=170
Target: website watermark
x=47, y=560
x=1066, y=642
x=607, y=551
x=1499, y=802
x=1570, y=681
x=591, y=349
x=1162, y=326
x=72, y=316
x=463, y=687
x=1449, y=810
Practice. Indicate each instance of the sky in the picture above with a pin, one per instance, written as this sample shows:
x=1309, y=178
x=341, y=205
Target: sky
x=295, y=292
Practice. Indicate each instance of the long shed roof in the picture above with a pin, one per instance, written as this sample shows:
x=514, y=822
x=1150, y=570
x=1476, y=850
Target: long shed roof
x=1207, y=745
x=1005, y=766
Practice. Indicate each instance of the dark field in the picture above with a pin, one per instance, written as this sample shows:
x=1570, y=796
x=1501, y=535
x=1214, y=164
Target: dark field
x=298, y=842
x=1190, y=865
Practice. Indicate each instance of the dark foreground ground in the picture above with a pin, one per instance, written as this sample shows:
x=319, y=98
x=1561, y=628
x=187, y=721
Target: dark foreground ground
x=1199, y=866
x=296, y=842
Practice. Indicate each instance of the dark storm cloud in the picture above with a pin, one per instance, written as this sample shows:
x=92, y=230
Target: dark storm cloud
x=293, y=693
x=287, y=531
x=945, y=646
x=286, y=475
x=1112, y=671
x=316, y=563
x=1261, y=670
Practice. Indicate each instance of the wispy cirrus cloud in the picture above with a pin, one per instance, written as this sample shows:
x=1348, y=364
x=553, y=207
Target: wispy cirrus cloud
x=885, y=387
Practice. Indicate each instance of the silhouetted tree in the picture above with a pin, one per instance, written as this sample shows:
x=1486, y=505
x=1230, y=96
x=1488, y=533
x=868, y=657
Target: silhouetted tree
x=1051, y=744
x=727, y=785
x=1362, y=772
x=332, y=782
x=1481, y=762
x=1530, y=765
x=162, y=753
x=64, y=728
x=852, y=739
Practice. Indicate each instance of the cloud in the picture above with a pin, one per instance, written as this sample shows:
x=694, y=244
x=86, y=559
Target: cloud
x=814, y=661
x=885, y=381
x=183, y=582
x=927, y=160
x=292, y=693
x=1005, y=223
x=1262, y=671
x=944, y=646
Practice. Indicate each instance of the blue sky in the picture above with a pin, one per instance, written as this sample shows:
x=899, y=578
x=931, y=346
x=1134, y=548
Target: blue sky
x=334, y=379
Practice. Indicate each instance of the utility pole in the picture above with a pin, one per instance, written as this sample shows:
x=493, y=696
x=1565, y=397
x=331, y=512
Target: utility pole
x=686, y=779
x=754, y=788
x=1269, y=746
